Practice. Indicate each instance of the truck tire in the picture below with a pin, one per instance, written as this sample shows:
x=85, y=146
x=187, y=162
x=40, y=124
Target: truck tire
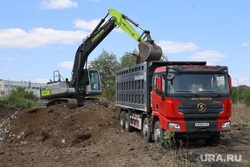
x=127, y=123
x=213, y=140
x=146, y=130
x=158, y=133
x=122, y=119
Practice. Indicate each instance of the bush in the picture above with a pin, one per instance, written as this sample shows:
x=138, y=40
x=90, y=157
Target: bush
x=241, y=95
x=20, y=99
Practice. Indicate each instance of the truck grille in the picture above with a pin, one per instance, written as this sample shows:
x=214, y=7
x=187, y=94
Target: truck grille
x=192, y=109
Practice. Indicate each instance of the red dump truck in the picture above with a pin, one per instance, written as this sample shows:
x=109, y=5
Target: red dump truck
x=190, y=99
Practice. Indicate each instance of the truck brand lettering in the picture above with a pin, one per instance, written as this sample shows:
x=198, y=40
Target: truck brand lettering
x=202, y=98
x=139, y=77
x=97, y=35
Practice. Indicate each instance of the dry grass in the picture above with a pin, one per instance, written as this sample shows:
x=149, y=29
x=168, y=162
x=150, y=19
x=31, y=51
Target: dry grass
x=240, y=114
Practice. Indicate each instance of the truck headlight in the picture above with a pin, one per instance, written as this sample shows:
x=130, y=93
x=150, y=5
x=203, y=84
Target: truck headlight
x=174, y=126
x=226, y=125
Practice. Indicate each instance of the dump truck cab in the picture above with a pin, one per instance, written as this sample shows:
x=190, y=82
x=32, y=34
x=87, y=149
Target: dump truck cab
x=192, y=100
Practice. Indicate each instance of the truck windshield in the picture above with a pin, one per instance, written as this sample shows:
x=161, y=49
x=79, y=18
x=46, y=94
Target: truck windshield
x=199, y=83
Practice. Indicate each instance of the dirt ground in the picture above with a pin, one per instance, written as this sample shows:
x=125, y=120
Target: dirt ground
x=91, y=136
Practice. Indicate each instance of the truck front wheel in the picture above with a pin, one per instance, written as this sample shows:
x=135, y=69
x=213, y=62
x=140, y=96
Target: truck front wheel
x=158, y=133
x=146, y=130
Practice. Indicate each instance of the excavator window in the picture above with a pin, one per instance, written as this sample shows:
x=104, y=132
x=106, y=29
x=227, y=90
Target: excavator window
x=94, y=80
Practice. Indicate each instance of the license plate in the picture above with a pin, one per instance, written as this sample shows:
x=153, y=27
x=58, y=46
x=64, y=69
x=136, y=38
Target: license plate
x=201, y=124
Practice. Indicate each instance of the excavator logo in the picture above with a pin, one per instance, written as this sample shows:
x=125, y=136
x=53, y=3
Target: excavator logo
x=97, y=35
x=201, y=107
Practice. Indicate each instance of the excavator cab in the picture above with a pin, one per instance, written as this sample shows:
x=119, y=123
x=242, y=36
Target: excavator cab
x=89, y=82
x=93, y=86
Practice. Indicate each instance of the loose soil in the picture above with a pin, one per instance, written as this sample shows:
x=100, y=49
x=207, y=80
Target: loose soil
x=91, y=136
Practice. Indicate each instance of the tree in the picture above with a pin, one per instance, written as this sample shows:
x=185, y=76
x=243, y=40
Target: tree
x=234, y=95
x=164, y=58
x=246, y=97
x=22, y=93
x=128, y=59
x=107, y=65
x=240, y=95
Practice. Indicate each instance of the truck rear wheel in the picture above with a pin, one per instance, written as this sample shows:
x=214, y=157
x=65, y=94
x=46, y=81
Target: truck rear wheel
x=158, y=133
x=146, y=130
x=122, y=119
x=127, y=123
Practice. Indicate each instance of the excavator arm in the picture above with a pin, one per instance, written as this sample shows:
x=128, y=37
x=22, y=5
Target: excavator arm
x=148, y=50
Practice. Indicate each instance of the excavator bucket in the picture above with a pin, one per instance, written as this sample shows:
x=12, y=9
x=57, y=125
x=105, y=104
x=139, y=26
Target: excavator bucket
x=148, y=52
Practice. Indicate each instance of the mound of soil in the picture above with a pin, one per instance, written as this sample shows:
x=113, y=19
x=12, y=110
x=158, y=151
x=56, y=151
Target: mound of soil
x=62, y=127
x=91, y=136
x=5, y=113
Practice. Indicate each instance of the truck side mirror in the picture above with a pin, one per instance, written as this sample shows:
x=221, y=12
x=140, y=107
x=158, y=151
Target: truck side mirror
x=230, y=84
x=159, y=84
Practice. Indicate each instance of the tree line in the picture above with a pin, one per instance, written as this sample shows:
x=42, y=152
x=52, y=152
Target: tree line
x=107, y=64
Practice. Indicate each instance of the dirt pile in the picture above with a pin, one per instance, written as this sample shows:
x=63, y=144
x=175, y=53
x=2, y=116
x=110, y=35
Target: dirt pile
x=61, y=127
x=5, y=113
x=91, y=136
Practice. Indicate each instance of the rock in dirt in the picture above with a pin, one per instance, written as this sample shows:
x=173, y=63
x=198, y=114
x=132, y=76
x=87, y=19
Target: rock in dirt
x=32, y=110
x=85, y=137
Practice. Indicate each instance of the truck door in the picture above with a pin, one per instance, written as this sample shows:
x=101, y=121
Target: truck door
x=158, y=94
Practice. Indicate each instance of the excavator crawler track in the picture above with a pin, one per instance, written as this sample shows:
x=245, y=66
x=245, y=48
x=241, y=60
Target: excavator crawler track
x=74, y=103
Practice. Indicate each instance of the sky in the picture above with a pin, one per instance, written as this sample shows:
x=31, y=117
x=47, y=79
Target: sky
x=40, y=36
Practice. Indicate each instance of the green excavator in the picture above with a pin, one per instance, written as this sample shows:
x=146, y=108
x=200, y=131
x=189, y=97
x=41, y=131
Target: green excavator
x=86, y=82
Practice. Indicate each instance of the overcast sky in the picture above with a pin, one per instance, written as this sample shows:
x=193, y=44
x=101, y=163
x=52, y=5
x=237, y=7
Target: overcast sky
x=40, y=36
